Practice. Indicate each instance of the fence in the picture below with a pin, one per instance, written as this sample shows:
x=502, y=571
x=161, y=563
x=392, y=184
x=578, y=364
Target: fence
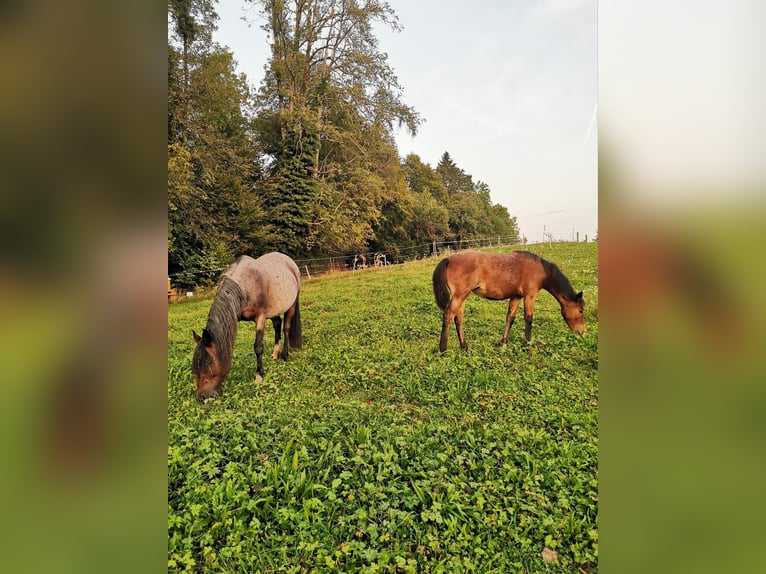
x=316, y=266
x=554, y=236
x=398, y=254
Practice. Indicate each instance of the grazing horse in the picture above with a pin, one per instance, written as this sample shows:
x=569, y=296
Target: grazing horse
x=517, y=275
x=249, y=290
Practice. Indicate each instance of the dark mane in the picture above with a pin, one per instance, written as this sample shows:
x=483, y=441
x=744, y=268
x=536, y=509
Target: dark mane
x=222, y=322
x=555, y=279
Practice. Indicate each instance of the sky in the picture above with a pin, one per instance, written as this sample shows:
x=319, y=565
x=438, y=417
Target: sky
x=507, y=87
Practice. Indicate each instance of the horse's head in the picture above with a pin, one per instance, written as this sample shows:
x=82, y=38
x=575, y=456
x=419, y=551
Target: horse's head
x=208, y=369
x=573, y=313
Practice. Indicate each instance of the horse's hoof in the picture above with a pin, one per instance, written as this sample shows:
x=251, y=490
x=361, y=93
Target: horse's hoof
x=258, y=379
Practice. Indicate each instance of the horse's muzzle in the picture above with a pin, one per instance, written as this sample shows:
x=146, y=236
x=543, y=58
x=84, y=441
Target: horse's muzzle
x=206, y=395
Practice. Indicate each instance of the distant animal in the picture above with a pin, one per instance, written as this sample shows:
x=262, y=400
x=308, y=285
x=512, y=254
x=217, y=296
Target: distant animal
x=249, y=290
x=498, y=276
x=360, y=262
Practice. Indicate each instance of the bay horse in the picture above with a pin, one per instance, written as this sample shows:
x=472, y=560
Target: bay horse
x=498, y=276
x=249, y=290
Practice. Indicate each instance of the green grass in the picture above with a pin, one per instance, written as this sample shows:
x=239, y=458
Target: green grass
x=370, y=452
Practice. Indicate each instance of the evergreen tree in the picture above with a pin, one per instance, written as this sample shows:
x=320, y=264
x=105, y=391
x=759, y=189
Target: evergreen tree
x=455, y=179
x=291, y=192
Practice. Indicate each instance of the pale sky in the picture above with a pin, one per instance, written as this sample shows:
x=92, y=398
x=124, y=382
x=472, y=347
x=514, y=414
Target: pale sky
x=507, y=87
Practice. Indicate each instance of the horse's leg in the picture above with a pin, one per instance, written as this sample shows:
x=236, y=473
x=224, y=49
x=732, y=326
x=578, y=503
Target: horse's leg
x=288, y=322
x=260, y=324
x=277, y=322
x=529, y=307
x=446, y=322
x=459, y=327
x=454, y=311
x=513, y=306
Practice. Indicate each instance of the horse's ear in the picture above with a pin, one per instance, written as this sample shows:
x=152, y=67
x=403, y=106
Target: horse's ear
x=196, y=337
x=207, y=340
x=578, y=297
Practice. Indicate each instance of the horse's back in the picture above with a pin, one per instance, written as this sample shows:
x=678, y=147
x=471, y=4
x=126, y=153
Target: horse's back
x=271, y=283
x=276, y=263
x=495, y=275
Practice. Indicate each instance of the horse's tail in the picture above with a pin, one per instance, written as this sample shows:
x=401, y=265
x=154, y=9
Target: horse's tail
x=296, y=328
x=441, y=291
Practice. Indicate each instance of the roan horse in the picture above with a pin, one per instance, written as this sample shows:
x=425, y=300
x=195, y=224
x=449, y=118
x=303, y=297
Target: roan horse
x=517, y=275
x=249, y=290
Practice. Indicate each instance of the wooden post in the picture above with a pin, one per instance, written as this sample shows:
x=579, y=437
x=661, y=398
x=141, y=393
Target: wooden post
x=578, y=237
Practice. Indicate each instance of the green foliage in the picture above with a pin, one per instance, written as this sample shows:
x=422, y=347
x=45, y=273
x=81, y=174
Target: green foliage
x=455, y=179
x=193, y=21
x=329, y=103
x=449, y=192
x=430, y=221
x=422, y=179
x=370, y=452
x=308, y=165
x=213, y=165
x=290, y=194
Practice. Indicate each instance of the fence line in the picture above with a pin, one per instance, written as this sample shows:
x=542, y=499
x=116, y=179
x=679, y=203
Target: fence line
x=315, y=266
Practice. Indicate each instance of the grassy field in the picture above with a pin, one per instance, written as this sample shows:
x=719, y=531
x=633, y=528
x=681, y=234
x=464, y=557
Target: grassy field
x=370, y=452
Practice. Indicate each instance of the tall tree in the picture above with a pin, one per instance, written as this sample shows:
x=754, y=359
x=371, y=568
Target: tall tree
x=193, y=24
x=327, y=89
x=455, y=179
x=213, y=166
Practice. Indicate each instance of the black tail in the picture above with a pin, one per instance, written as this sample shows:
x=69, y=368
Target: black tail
x=441, y=291
x=296, y=328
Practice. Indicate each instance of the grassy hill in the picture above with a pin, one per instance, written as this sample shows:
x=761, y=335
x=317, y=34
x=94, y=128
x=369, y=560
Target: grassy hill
x=370, y=452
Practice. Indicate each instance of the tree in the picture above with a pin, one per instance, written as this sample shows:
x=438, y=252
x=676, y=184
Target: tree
x=194, y=22
x=422, y=179
x=464, y=216
x=503, y=225
x=430, y=221
x=471, y=211
x=455, y=179
x=309, y=165
x=327, y=90
x=214, y=211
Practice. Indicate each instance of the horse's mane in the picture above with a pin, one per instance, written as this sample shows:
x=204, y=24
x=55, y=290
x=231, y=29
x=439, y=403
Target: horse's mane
x=555, y=280
x=223, y=317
